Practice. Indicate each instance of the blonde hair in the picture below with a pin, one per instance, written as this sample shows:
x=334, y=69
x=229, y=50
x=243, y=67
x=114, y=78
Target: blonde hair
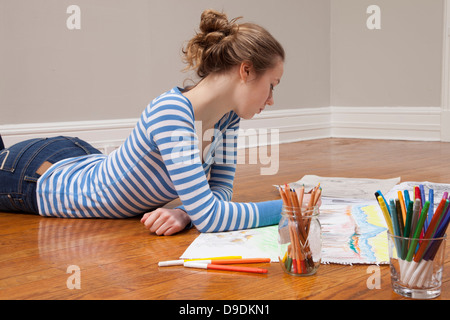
x=222, y=44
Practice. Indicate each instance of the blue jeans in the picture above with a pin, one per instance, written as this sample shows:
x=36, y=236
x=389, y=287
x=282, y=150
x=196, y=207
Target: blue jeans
x=22, y=164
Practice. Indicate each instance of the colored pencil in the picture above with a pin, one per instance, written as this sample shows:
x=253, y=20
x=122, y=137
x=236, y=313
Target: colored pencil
x=300, y=194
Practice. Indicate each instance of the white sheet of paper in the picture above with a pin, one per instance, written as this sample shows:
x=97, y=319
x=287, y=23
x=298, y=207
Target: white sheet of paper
x=347, y=188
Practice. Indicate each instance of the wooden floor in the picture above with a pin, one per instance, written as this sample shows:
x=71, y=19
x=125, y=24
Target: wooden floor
x=118, y=258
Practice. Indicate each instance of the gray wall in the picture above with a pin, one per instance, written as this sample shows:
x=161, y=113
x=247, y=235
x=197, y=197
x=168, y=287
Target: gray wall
x=397, y=65
x=128, y=52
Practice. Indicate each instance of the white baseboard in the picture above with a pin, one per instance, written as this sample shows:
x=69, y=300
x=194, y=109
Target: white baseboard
x=392, y=123
x=291, y=125
x=103, y=134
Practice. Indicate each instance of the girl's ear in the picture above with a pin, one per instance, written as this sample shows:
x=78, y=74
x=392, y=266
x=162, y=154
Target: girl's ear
x=245, y=71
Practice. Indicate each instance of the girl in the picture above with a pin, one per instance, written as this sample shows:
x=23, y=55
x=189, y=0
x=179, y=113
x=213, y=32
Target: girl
x=238, y=66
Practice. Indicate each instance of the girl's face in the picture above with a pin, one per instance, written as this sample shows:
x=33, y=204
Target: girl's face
x=257, y=91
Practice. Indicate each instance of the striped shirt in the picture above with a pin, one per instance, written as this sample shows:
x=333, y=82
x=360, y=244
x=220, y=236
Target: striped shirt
x=159, y=161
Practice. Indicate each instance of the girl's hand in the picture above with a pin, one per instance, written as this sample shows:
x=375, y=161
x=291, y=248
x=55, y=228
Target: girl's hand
x=164, y=221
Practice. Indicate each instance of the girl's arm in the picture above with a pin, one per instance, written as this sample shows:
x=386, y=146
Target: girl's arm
x=175, y=137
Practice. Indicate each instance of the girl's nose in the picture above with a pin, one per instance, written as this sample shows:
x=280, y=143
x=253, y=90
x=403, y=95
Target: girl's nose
x=269, y=100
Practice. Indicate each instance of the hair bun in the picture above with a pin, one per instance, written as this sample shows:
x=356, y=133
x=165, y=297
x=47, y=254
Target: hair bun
x=215, y=25
x=221, y=44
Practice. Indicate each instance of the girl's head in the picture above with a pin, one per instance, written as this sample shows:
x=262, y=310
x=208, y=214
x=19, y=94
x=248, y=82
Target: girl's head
x=221, y=45
x=245, y=50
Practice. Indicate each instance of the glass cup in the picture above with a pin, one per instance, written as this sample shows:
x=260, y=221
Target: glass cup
x=299, y=241
x=416, y=266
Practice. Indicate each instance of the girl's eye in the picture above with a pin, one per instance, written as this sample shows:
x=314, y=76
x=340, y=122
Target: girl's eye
x=271, y=87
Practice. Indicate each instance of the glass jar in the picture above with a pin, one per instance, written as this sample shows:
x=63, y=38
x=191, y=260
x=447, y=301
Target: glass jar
x=420, y=276
x=299, y=241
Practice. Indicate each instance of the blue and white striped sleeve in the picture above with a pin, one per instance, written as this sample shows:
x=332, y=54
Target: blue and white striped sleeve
x=209, y=207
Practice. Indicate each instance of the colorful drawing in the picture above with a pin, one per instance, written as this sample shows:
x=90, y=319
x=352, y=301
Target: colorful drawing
x=353, y=234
